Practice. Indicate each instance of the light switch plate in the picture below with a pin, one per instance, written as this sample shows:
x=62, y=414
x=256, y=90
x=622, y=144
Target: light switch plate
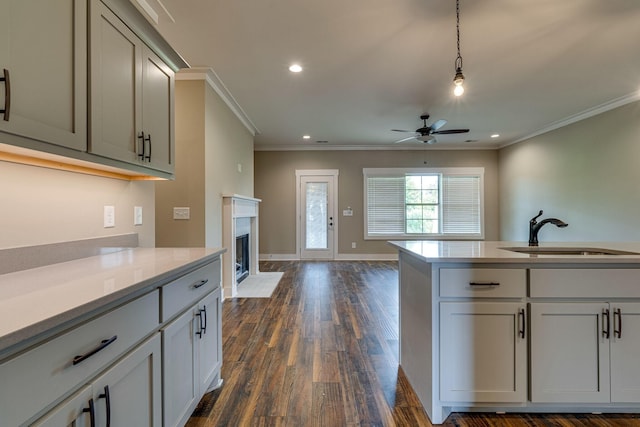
x=181, y=213
x=137, y=215
x=109, y=216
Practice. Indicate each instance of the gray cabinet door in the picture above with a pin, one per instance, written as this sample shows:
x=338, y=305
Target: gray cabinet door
x=210, y=346
x=179, y=368
x=134, y=387
x=116, y=89
x=43, y=47
x=483, y=352
x=569, y=353
x=625, y=352
x=158, y=112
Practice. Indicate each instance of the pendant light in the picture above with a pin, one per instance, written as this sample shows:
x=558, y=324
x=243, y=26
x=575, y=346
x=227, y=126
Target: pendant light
x=458, y=80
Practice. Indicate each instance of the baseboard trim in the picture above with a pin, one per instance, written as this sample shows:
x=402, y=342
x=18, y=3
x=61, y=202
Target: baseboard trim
x=338, y=257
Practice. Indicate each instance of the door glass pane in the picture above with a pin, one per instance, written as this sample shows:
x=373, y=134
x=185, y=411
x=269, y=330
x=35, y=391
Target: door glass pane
x=316, y=218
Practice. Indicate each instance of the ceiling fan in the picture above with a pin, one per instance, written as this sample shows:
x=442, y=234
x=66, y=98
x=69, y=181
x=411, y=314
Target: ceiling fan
x=426, y=133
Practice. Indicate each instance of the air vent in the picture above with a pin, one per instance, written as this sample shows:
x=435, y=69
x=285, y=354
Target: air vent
x=321, y=142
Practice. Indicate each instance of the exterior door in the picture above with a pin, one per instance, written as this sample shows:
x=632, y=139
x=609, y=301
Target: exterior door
x=317, y=218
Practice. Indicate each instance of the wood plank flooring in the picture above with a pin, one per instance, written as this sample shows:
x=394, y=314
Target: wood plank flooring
x=323, y=351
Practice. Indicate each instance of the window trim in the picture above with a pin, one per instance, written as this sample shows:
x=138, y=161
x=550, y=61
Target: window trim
x=445, y=171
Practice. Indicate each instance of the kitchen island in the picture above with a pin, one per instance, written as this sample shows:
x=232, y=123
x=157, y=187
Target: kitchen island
x=485, y=328
x=132, y=336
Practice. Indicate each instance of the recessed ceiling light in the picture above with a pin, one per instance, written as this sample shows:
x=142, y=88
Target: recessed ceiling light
x=306, y=136
x=495, y=135
x=295, y=68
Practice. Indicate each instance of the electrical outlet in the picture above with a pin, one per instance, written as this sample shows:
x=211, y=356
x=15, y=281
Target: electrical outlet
x=181, y=213
x=109, y=216
x=137, y=215
x=353, y=245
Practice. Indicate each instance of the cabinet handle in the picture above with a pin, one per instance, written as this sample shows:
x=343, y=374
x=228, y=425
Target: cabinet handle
x=141, y=138
x=484, y=284
x=200, y=283
x=617, y=331
x=107, y=400
x=92, y=413
x=148, y=139
x=204, y=310
x=7, y=94
x=103, y=344
x=605, y=323
x=522, y=315
x=200, y=324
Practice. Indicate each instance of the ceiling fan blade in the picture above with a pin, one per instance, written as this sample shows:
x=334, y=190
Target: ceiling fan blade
x=438, y=124
x=450, y=131
x=405, y=139
x=400, y=130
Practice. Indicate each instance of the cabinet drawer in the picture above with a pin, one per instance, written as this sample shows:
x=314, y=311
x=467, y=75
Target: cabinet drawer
x=483, y=282
x=178, y=295
x=585, y=283
x=37, y=378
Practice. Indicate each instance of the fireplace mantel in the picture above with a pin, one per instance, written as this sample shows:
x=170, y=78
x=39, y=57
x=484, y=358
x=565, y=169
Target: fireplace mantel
x=234, y=207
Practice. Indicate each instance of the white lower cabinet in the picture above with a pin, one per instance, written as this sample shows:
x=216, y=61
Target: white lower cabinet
x=585, y=352
x=483, y=352
x=192, y=350
x=127, y=394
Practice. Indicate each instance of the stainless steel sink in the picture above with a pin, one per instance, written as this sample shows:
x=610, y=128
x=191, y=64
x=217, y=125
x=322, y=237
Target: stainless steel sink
x=534, y=250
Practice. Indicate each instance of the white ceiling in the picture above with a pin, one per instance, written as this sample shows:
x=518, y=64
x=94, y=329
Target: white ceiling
x=375, y=65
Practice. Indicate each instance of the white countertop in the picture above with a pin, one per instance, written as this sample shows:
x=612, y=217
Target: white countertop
x=490, y=252
x=36, y=300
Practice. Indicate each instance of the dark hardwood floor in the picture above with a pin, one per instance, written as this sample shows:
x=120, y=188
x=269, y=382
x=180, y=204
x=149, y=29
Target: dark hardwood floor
x=323, y=351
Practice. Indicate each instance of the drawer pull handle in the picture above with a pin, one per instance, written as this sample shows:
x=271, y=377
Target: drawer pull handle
x=605, y=323
x=523, y=323
x=617, y=331
x=491, y=284
x=107, y=400
x=92, y=413
x=103, y=344
x=7, y=94
x=200, y=283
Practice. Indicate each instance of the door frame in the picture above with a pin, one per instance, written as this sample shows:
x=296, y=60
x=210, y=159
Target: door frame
x=326, y=173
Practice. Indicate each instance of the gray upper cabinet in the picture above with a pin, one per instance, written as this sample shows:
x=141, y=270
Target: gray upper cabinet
x=89, y=80
x=131, y=95
x=43, y=51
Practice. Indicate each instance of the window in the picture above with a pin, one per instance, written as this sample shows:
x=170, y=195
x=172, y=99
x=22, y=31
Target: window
x=424, y=203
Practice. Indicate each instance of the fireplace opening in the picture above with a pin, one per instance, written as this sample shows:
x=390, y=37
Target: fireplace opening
x=242, y=257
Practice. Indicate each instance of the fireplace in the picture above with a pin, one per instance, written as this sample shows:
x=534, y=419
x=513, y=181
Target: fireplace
x=240, y=238
x=242, y=257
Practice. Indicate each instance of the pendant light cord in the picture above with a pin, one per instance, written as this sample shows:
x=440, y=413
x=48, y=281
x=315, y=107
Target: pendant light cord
x=459, y=57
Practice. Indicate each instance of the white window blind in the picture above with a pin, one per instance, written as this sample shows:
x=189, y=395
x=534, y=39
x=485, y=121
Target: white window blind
x=459, y=206
x=385, y=205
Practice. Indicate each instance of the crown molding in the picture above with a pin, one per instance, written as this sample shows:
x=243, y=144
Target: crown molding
x=210, y=76
x=325, y=147
x=594, y=111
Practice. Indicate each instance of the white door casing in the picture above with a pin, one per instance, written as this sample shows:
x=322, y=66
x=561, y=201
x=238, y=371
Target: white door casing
x=316, y=218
